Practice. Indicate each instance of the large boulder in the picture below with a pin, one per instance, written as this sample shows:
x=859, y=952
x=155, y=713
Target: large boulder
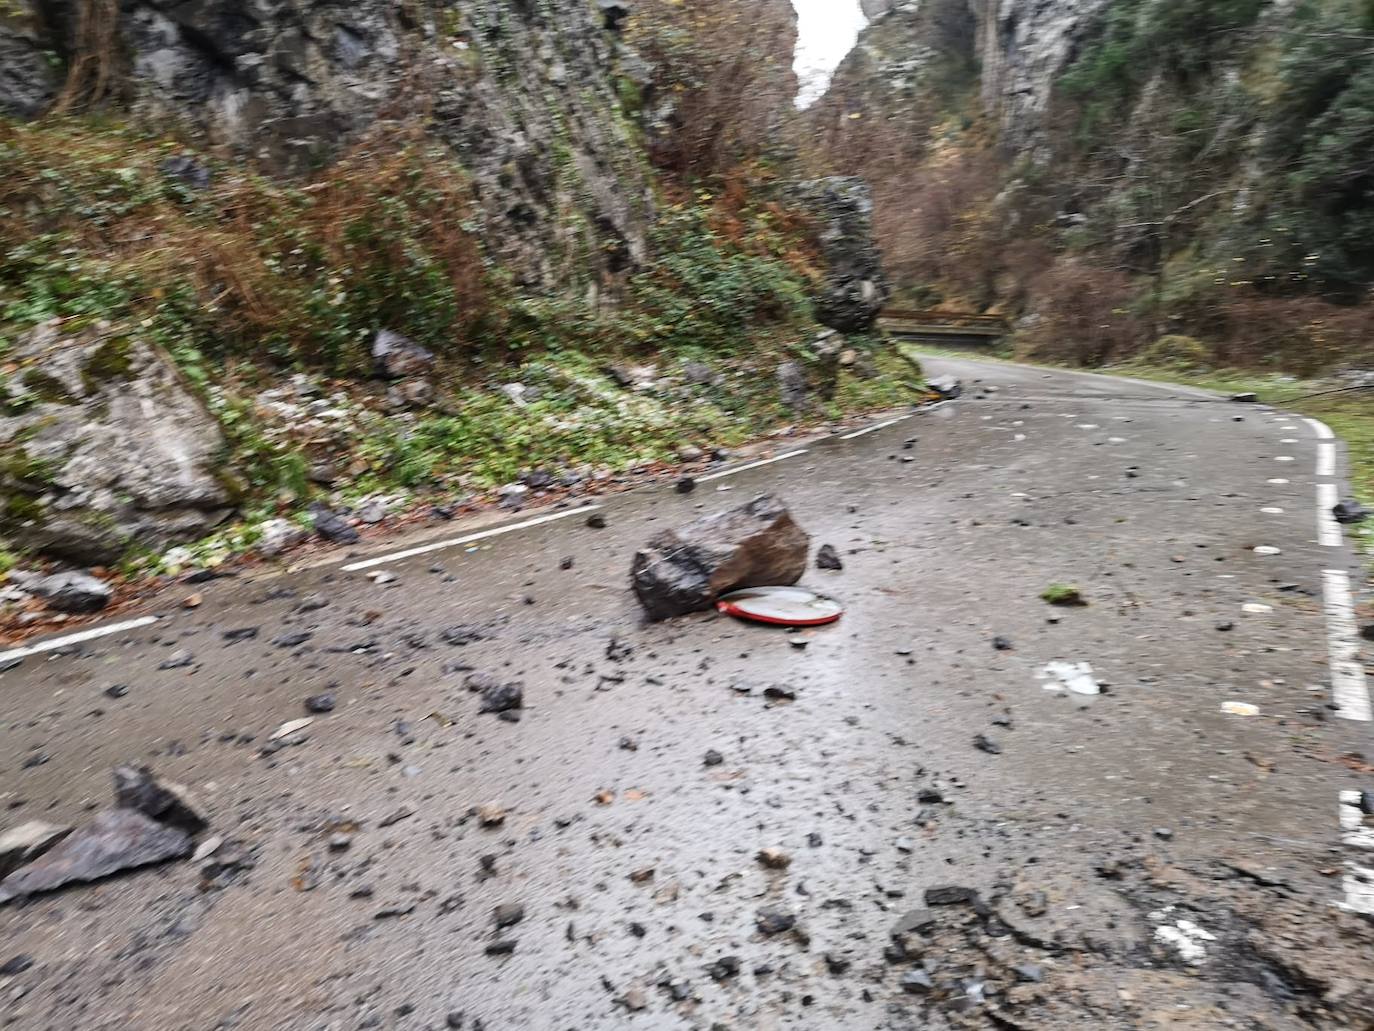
x=77, y=593
x=114, y=840
x=855, y=287
x=103, y=446
x=687, y=569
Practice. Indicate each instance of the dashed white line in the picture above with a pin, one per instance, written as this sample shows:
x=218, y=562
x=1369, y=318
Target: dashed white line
x=875, y=428
x=481, y=535
x=1349, y=690
x=1328, y=530
x=752, y=465
x=81, y=635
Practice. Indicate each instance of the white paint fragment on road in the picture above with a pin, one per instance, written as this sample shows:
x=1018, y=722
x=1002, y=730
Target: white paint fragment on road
x=1070, y=678
x=1256, y=608
x=1272, y=510
x=1240, y=709
x=1183, y=936
x=1283, y=458
x=1348, y=687
x=1277, y=482
x=1268, y=549
x=292, y=727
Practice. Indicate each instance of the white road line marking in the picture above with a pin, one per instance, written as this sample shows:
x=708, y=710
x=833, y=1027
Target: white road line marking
x=1322, y=430
x=1277, y=481
x=1353, y=831
x=1328, y=530
x=1326, y=459
x=875, y=428
x=482, y=535
x=1359, y=889
x=751, y=465
x=1348, y=687
x=82, y=635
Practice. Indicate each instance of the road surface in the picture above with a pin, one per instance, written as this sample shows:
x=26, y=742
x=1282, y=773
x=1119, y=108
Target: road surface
x=1133, y=859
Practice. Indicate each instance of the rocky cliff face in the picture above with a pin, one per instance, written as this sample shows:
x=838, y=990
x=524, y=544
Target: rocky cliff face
x=1024, y=46
x=524, y=91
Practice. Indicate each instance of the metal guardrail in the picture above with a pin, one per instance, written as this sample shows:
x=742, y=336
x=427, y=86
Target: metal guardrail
x=949, y=321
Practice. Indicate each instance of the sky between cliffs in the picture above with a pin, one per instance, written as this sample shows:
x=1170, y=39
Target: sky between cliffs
x=828, y=30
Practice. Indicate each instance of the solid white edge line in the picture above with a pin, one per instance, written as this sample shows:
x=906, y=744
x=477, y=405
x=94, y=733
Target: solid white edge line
x=752, y=465
x=481, y=535
x=1326, y=458
x=1359, y=889
x=81, y=635
x=1328, y=530
x=874, y=428
x=1349, y=689
x=1320, y=428
x=1353, y=831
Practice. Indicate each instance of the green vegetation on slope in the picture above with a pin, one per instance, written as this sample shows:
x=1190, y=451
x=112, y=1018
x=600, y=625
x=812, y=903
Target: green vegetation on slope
x=252, y=284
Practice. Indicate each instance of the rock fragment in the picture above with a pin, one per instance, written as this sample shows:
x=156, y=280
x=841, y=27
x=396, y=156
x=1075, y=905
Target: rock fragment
x=828, y=558
x=165, y=801
x=115, y=840
x=27, y=842
x=687, y=569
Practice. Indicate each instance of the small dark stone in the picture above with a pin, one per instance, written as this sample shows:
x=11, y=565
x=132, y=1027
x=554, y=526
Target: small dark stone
x=1029, y=972
x=454, y=1020
x=1226, y=625
x=949, y=895
x=509, y=914
x=243, y=633
x=116, y=690
x=332, y=526
x=986, y=744
x=16, y=965
x=292, y=640
x=828, y=558
x=930, y=796
x=501, y=948
x=177, y=660
x=1164, y=834
x=320, y=703
x=724, y=968
x=567, y=563
x=1002, y=644
x=686, y=485
x=713, y=758
x=502, y=698
x=596, y=521
x=836, y=963
x=780, y=693
x=774, y=921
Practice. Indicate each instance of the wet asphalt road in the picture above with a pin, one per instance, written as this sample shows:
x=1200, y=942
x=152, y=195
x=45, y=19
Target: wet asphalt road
x=1100, y=821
